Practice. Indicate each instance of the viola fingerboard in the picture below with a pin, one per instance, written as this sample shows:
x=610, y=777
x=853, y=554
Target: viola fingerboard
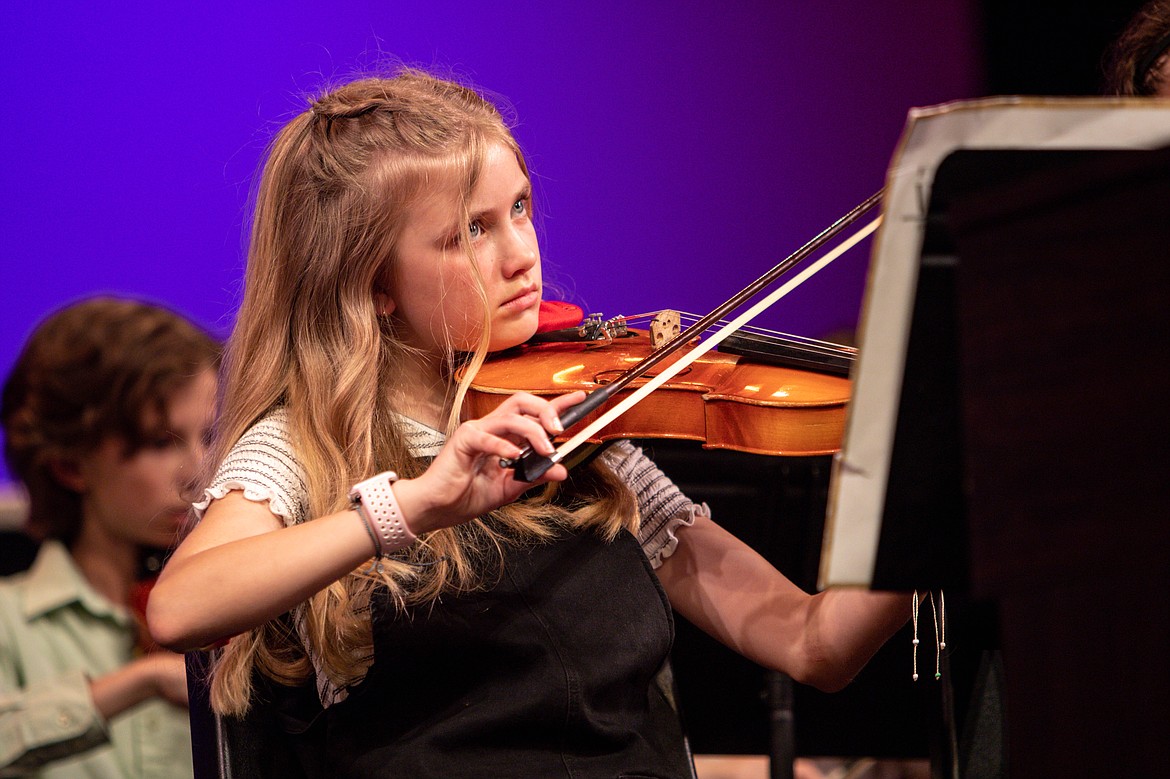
x=790, y=354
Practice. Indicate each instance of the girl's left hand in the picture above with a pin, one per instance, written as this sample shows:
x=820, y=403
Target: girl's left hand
x=466, y=480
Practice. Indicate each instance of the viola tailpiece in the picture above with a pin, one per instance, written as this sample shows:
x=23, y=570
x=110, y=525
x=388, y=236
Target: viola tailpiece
x=590, y=328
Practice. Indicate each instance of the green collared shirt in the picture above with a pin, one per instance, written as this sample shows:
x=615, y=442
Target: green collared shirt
x=56, y=633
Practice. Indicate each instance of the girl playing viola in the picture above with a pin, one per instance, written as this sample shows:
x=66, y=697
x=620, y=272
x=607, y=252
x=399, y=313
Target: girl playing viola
x=498, y=630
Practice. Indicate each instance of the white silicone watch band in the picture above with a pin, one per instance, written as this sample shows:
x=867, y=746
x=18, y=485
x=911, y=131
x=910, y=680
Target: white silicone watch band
x=376, y=494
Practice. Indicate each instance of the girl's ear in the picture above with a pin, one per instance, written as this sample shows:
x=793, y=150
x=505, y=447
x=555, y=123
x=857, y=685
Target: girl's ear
x=68, y=473
x=383, y=303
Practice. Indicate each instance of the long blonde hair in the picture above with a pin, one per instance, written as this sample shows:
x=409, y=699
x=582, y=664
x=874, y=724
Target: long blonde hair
x=331, y=204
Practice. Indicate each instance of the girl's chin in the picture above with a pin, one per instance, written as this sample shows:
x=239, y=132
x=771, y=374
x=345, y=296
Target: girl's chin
x=504, y=336
x=513, y=334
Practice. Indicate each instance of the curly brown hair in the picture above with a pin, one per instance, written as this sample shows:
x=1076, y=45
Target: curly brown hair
x=94, y=369
x=1133, y=62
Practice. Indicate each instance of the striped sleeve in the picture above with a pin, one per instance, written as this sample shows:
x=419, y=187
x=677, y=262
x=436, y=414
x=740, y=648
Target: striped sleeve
x=662, y=506
x=263, y=466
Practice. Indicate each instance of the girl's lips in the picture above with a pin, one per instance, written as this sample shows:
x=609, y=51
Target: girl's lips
x=523, y=301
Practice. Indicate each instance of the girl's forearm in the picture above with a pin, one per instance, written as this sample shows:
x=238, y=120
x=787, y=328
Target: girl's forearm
x=224, y=589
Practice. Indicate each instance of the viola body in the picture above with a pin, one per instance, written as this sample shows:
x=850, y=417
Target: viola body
x=724, y=400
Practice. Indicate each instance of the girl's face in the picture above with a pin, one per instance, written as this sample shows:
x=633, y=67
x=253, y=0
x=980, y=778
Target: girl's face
x=434, y=291
x=139, y=500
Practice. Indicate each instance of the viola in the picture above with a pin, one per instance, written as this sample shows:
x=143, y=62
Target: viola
x=764, y=402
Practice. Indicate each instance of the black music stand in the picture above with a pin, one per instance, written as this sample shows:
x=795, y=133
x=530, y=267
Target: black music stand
x=1031, y=446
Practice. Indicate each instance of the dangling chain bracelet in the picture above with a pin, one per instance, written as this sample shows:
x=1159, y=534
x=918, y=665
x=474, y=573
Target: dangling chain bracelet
x=939, y=618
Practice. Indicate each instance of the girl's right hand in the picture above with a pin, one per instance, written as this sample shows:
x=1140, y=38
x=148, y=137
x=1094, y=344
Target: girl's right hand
x=466, y=479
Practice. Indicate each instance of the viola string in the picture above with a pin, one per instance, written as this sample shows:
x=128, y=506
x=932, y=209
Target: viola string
x=814, y=345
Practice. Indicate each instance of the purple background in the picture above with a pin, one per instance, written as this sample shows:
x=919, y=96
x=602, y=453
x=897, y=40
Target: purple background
x=678, y=149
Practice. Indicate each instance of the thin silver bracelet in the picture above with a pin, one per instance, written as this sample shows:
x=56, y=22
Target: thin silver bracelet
x=364, y=516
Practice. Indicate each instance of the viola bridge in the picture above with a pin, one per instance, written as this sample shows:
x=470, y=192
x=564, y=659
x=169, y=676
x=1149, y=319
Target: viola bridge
x=665, y=327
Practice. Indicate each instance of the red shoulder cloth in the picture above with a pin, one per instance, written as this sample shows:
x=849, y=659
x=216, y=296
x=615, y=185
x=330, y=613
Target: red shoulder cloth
x=558, y=315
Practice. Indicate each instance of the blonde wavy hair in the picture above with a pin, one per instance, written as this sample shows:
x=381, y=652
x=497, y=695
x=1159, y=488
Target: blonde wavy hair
x=333, y=196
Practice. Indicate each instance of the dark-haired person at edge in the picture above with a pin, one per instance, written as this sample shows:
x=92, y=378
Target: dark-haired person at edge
x=105, y=417
x=374, y=581
x=1138, y=61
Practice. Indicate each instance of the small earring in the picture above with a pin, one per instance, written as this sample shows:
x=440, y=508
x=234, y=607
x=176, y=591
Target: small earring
x=383, y=304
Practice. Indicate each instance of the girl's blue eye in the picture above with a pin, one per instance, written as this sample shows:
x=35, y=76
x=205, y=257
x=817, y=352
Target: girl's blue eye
x=520, y=206
x=475, y=229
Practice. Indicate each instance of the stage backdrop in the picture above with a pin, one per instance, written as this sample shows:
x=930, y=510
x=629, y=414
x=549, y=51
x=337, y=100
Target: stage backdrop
x=678, y=148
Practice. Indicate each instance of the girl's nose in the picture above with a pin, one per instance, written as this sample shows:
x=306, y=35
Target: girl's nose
x=518, y=252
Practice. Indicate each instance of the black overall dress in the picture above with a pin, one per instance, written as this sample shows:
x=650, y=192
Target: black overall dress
x=551, y=673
